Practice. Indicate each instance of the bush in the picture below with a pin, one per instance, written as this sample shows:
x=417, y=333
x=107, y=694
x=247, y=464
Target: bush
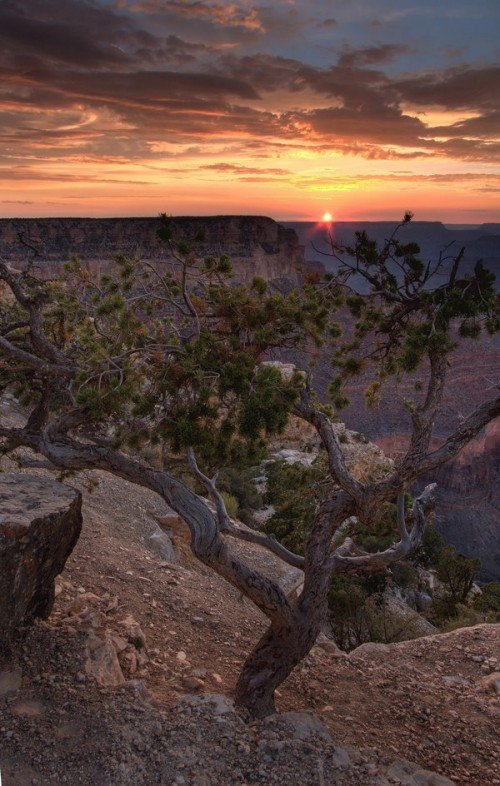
x=231, y=504
x=467, y=616
x=239, y=484
x=457, y=572
x=489, y=599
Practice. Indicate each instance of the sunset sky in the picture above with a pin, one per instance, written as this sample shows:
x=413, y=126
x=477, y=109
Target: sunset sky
x=362, y=108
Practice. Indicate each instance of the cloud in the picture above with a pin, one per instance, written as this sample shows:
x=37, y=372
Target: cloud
x=462, y=87
x=372, y=55
x=222, y=14
x=330, y=181
x=146, y=81
x=327, y=23
x=238, y=169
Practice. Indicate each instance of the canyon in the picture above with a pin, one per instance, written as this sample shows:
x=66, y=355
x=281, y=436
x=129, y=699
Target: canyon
x=468, y=512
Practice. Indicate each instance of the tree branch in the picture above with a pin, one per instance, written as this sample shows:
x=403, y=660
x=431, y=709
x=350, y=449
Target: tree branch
x=344, y=561
x=206, y=543
x=43, y=367
x=227, y=527
x=467, y=430
x=305, y=410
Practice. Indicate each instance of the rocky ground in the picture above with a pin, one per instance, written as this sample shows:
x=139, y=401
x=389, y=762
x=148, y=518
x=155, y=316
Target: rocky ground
x=153, y=633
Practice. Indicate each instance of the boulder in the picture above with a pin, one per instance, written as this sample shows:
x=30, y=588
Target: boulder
x=40, y=522
x=102, y=662
x=162, y=545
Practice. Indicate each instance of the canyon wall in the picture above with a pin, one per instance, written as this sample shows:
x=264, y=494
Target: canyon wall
x=258, y=246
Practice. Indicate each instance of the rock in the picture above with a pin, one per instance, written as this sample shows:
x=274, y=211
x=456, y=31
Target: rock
x=492, y=682
x=302, y=724
x=27, y=709
x=40, y=522
x=102, y=662
x=128, y=660
x=372, y=649
x=410, y=623
x=287, y=370
x=329, y=646
x=213, y=703
x=192, y=683
x=10, y=682
x=119, y=642
x=455, y=681
x=134, y=632
x=292, y=456
x=408, y=774
x=340, y=758
x=162, y=545
x=138, y=692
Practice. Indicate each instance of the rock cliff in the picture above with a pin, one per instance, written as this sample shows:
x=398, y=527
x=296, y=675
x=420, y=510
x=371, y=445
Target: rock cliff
x=258, y=246
x=468, y=501
x=40, y=522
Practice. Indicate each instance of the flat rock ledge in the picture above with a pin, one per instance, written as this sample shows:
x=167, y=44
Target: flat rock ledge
x=40, y=522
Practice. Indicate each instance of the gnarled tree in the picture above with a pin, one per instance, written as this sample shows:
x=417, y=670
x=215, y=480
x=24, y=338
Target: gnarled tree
x=174, y=356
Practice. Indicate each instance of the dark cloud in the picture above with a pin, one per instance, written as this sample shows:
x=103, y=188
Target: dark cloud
x=327, y=23
x=457, y=88
x=55, y=41
x=383, y=125
x=221, y=13
x=372, y=55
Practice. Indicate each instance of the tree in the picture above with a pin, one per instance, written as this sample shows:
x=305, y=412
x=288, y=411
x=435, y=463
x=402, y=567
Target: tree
x=175, y=357
x=457, y=572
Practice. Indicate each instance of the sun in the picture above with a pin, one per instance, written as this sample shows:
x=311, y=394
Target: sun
x=327, y=218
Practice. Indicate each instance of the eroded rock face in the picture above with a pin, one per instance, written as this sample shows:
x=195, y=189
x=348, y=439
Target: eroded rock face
x=40, y=522
x=257, y=246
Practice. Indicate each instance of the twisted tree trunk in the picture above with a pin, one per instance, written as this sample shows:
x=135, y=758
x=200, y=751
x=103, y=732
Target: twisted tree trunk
x=278, y=652
x=287, y=642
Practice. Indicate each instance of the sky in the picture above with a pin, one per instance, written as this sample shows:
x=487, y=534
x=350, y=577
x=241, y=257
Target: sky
x=292, y=108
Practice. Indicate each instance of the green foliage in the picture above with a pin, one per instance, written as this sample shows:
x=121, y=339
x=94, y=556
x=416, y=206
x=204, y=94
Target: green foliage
x=489, y=599
x=431, y=547
x=231, y=504
x=457, y=572
x=174, y=355
x=240, y=484
x=465, y=616
x=359, y=611
x=290, y=489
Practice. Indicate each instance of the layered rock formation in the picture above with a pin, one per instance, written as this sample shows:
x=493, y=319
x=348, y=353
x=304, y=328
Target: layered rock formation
x=258, y=246
x=40, y=521
x=468, y=501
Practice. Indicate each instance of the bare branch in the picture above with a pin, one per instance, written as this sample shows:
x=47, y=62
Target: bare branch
x=338, y=469
x=401, y=517
x=345, y=561
x=210, y=486
x=466, y=431
x=43, y=367
x=227, y=527
x=206, y=544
